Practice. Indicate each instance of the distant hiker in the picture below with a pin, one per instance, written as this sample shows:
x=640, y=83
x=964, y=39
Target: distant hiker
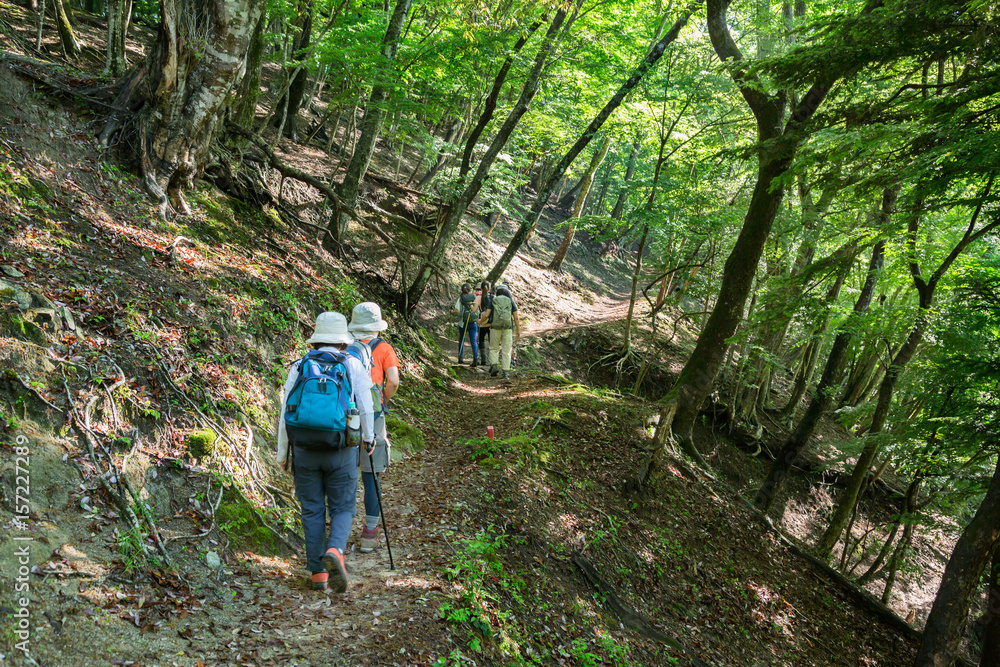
x=485, y=303
x=312, y=428
x=468, y=313
x=366, y=323
x=505, y=325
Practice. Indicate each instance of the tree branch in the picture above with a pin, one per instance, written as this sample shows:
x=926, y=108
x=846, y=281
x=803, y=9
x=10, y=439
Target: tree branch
x=726, y=49
x=969, y=236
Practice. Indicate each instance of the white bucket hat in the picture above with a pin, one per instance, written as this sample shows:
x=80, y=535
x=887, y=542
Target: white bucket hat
x=331, y=328
x=367, y=316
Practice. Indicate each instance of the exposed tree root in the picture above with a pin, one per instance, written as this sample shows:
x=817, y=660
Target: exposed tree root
x=629, y=616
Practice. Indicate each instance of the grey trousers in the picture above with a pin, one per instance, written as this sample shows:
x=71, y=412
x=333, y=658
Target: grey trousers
x=326, y=482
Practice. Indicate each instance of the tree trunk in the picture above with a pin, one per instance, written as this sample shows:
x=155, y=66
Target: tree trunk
x=754, y=393
x=570, y=195
x=619, y=208
x=41, y=23
x=796, y=443
x=308, y=103
x=897, y=560
x=559, y=170
x=183, y=89
x=455, y=211
x=883, y=553
x=925, y=290
x=635, y=284
x=776, y=150
x=586, y=183
x=454, y=136
x=69, y=43
x=371, y=124
x=597, y=207
x=979, y=540
x=119, y=13
x=848, y=498
x=907, y=509
x=245, y=112
x=297, y=88
x=991, y=633
x=489, y=108
x=863, y=377
x=696, y=379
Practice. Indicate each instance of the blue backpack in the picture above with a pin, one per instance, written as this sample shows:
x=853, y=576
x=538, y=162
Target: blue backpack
x=316, y=408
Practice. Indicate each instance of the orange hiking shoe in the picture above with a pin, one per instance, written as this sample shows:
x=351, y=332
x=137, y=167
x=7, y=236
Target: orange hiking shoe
x=318, y=581
x=333, y=561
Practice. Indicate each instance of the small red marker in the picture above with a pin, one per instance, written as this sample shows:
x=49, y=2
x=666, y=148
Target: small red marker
x=489, y=432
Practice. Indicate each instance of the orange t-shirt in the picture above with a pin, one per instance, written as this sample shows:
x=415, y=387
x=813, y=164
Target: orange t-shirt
x=383, y=357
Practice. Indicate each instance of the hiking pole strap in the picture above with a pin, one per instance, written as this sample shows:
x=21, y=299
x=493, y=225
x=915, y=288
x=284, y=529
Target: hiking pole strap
x=381, y=510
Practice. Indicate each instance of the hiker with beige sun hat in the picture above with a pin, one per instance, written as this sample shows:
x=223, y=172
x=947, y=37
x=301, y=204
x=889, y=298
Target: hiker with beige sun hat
x=312, y=431
x=366, y=325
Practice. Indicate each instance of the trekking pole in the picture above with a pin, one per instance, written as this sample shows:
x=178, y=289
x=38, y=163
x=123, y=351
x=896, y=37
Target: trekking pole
x=378, y=494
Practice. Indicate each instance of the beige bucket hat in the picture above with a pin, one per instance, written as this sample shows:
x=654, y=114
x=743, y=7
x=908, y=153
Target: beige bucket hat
x=331, y=328
x=367, y=316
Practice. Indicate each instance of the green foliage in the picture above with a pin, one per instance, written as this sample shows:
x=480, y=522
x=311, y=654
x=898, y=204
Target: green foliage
x=344, y=296
x=130, y=546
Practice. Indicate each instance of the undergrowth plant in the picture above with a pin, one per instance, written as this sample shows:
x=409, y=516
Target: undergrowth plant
x=129, y=545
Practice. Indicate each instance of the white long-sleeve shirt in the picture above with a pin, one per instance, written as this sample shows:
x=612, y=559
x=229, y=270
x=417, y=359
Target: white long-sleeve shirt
x=361, y=394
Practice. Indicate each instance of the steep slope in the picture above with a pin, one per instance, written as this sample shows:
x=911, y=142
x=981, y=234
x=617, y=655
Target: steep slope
x=131, y=340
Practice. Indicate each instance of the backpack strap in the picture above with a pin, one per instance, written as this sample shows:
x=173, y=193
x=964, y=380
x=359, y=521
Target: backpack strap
x=379, y=388
x=362, y=353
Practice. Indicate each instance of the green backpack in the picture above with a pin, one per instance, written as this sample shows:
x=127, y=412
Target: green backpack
x=503, y=313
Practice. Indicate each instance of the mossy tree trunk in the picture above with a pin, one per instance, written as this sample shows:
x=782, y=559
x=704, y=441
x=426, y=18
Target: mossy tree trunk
x=991, y=639
x=66, y=36
x=961, y=579
x=119, y=17
x=246, y=108
x=778, y=141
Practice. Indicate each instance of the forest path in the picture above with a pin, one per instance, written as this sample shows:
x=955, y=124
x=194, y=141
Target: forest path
x=387, y=616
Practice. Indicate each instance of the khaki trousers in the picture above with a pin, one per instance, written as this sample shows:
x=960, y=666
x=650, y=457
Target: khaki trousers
x=501, y=342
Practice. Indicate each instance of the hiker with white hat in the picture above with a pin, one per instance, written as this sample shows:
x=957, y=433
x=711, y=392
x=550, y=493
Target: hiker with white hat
x=366, y=324
x=313, y=430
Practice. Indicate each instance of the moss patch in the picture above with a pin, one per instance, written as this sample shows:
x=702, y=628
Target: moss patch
x=201, y=443
x=403, y=435
x=18, y=327
x=241, y=524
